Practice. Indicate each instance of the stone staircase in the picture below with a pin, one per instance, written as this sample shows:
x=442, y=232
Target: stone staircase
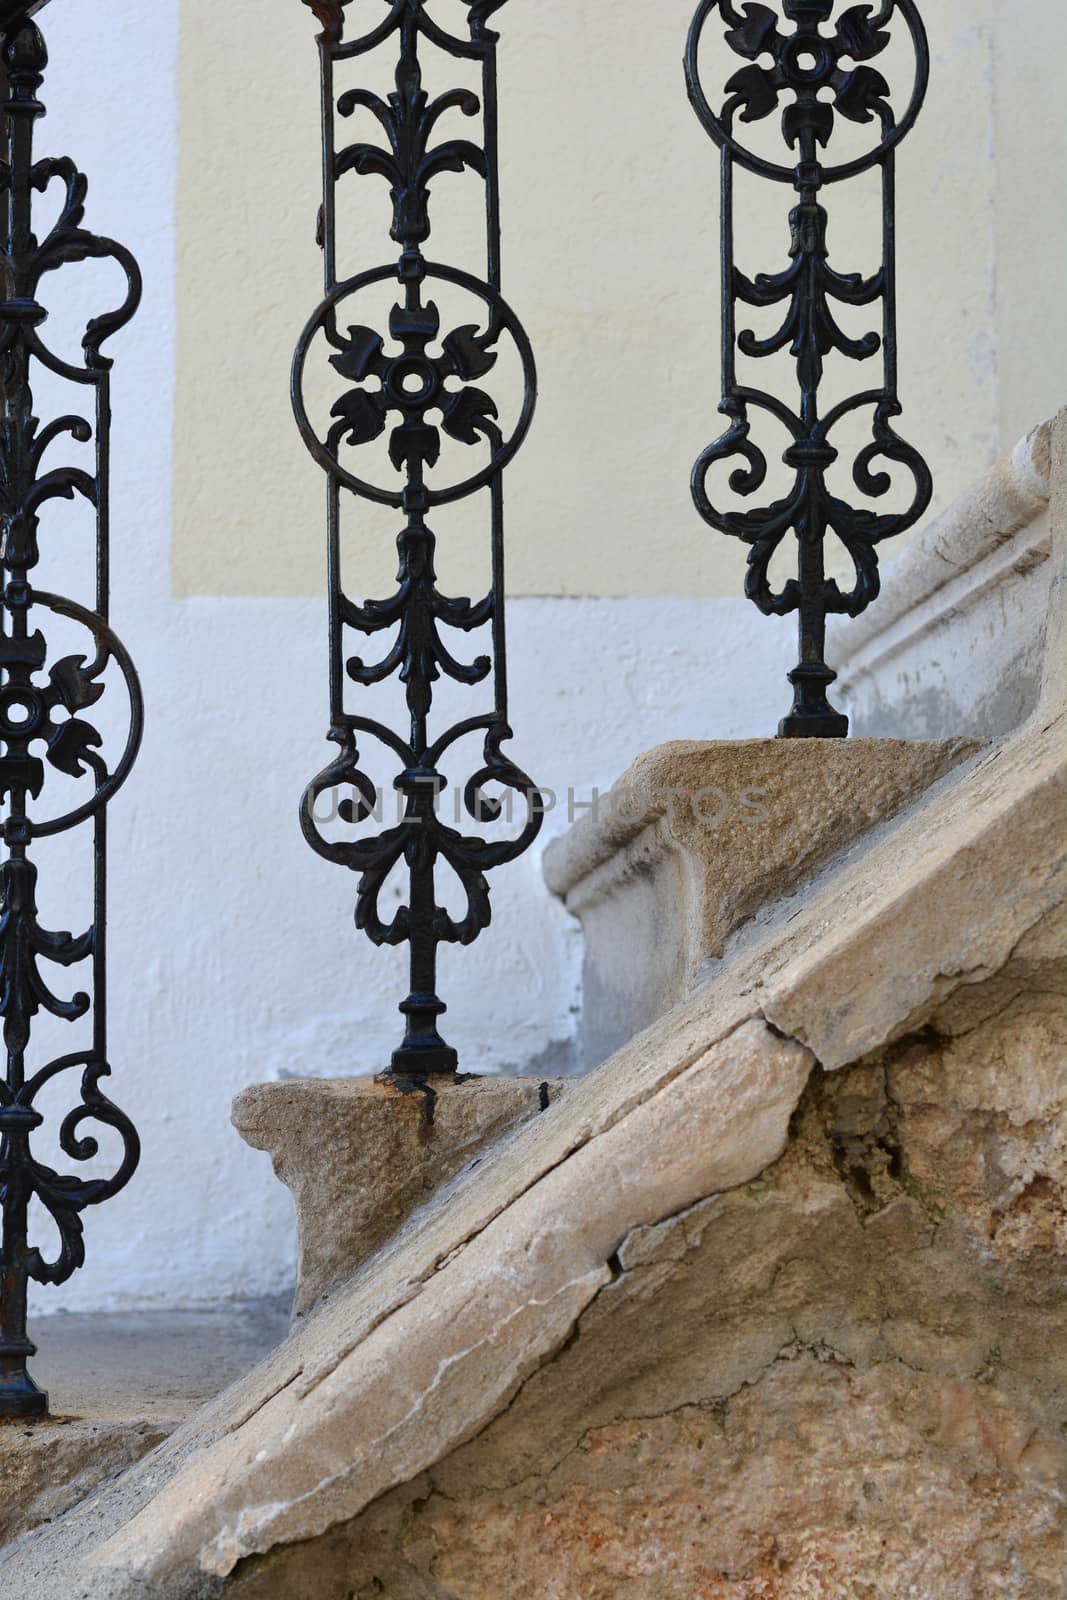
x=769, y=1304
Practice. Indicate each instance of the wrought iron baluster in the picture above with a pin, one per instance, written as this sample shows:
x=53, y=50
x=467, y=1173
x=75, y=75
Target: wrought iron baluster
x=419, y=379
x=43, y=727
x=822, y=54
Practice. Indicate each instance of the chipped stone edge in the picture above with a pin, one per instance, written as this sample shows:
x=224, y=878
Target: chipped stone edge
x=819, y=1003
x=261, y=1113
x=596, y=838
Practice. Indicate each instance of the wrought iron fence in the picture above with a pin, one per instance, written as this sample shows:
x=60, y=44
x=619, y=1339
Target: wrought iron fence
x=818, y=74
x=50, y=746
x=421, y=379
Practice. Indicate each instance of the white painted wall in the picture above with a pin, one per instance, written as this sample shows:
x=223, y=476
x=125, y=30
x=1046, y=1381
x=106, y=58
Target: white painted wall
x=233, y=954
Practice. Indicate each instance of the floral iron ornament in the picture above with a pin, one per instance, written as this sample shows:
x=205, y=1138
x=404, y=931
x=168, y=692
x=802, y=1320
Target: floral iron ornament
x=50, y=745
x=818, y=75
x=415, y=385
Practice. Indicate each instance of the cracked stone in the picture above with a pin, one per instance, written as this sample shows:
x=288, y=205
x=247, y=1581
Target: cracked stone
x=840, y=1381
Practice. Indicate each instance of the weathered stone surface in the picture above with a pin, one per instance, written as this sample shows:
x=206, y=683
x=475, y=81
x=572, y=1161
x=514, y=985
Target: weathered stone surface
x=47, y=1467
x=475, y=1331
x=361, y=1156
x=696, y=837
x=986, y=865
x=845, y=1381
x=761, y=1499
x=1054, y=675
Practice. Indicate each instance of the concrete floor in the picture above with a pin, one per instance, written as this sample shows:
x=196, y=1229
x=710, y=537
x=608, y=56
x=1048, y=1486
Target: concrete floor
x=150, y=1366
x=117, y=1385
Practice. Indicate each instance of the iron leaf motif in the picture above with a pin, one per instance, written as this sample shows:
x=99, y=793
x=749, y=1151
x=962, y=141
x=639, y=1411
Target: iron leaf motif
x=862, y=94
x=810, y=329
x=409, y=118
x=757, y=33
x=23, y=944
x=468, y=414
x=859, y=35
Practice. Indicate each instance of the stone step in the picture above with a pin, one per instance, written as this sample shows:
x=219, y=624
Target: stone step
x=697, y=838
x=361, y=1156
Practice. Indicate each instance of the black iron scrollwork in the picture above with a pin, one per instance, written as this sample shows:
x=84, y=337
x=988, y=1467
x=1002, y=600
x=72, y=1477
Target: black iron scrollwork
x=817, y=73
x=417, y=381
x=45, y=721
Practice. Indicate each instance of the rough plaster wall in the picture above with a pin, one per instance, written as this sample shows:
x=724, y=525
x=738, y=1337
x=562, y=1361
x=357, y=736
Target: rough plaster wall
x=233, y=953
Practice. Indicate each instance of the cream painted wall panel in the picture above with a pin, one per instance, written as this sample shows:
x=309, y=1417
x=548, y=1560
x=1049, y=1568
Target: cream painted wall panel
x=1031, y=210
x=610, y=209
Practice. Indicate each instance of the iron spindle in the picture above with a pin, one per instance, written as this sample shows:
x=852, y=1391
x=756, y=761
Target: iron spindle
x=418, y=378
x=820, y=66
x=43, y=729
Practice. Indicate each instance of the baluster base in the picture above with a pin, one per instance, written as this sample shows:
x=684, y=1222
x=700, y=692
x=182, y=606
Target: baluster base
x=424, y=1061
x=829, y=724
x=424, y=1053
x=20, y=1397
x=812, y=716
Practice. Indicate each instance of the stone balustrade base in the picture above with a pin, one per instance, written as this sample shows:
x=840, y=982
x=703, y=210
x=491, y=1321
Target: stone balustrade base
x=697, y=838
x=360, y=1156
